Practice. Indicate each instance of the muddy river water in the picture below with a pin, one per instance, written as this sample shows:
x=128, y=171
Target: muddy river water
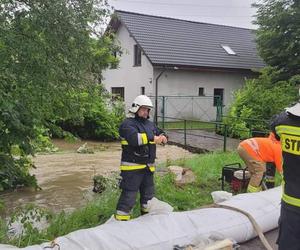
x=66, y=177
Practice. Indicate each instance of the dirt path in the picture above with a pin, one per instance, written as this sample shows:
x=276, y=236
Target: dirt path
x=66, y=177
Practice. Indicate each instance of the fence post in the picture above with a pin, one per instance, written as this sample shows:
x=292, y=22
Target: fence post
x=250, y=131
x=163, y=112
x=184, y=132
x=225, y=137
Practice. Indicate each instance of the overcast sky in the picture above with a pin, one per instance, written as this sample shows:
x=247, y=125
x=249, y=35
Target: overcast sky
x=237, y=13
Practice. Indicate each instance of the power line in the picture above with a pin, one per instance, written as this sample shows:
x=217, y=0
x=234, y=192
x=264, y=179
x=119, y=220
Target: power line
x=182, y=4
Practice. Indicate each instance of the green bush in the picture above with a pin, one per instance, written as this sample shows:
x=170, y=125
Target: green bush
x=259, y=100
x=98, y=116
x=14, y=172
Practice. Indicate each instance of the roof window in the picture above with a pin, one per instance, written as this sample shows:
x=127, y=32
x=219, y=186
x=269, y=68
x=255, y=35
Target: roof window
x=228, y=49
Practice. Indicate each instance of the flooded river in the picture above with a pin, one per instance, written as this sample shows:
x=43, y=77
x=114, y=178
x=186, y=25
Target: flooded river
x=66, y=177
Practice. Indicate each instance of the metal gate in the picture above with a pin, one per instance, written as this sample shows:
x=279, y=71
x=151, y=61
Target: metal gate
x=203, y=108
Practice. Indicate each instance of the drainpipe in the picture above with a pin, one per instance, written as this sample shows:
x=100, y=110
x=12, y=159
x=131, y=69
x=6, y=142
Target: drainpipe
x=156, y=96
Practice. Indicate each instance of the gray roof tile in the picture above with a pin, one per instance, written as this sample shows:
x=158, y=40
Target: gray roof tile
x=168, y=41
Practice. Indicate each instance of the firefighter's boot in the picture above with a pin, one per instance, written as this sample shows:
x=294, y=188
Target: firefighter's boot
x=144, y=209
x=122, y=216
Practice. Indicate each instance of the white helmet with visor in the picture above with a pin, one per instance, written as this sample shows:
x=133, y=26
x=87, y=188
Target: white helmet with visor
x=140, y=101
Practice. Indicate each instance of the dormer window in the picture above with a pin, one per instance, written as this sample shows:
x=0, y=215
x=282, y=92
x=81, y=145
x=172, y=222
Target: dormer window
x=137, y=56
x=228, y=49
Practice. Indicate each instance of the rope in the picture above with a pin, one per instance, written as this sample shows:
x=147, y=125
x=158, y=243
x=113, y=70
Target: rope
x=252, y=220
x=52, y=245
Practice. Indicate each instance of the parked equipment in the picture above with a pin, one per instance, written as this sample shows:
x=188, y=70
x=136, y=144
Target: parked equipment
x=237, y=176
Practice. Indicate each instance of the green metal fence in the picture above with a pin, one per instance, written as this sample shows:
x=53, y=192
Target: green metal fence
x=209, y=136
x=204, y=108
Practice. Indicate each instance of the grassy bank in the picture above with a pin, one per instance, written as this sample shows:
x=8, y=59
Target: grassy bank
x=188, y=124
x=207, y=169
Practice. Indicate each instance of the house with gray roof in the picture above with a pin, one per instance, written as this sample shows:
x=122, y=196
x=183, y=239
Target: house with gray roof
x=184, y=65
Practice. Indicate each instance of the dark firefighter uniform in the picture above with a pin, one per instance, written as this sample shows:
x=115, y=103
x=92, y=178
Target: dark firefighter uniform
x=286, y=127
x=137, y=164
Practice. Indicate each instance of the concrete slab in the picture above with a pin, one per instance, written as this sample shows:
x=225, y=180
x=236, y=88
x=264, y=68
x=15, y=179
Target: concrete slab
x=256, y=244
x=202, y=139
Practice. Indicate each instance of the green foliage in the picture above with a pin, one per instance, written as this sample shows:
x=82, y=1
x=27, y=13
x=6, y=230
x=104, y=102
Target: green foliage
x=29, y=220
x=15, y=172
x=98, y=117
x=278, y=34
x=51, y=52
x=43, y=143
x=258, y=101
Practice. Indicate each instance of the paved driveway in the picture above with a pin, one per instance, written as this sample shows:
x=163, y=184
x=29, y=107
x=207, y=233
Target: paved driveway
x=256, y=244
x=201, y=139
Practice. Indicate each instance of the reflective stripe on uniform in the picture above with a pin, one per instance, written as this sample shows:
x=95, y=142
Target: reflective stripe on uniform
x=254, y=145
x=270, y=180
x=127, y=166
x=142, y=138
x=124, y=142
x=287, y=130
x=122, y=217
x=289, y=199
x=132, y=167
x=152, y=168
x=252, y=189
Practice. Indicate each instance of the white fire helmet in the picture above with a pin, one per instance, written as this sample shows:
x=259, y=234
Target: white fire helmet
x=139, y=101
x=295, y=110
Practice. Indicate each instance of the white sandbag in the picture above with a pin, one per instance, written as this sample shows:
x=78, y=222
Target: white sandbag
x=163, y=231
x=220, y=196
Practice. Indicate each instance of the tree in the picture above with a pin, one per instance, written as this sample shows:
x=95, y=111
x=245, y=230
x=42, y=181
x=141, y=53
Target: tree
x=258, y=101
x=278, y=40
x=47, y=56
x=278, y=34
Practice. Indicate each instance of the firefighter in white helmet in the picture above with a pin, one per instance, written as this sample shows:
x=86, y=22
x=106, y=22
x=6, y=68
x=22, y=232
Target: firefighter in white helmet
x=139, y=137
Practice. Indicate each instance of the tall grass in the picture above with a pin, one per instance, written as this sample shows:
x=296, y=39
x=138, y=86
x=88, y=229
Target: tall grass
x=207, y=169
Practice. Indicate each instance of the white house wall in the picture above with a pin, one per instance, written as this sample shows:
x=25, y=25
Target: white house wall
x=132, y=78
x=187, y=83
x=171, y=83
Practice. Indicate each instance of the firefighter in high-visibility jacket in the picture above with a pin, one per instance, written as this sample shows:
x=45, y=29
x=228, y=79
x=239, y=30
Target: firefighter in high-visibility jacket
x=286, y=127
x=259, y=153
x=139, y=137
